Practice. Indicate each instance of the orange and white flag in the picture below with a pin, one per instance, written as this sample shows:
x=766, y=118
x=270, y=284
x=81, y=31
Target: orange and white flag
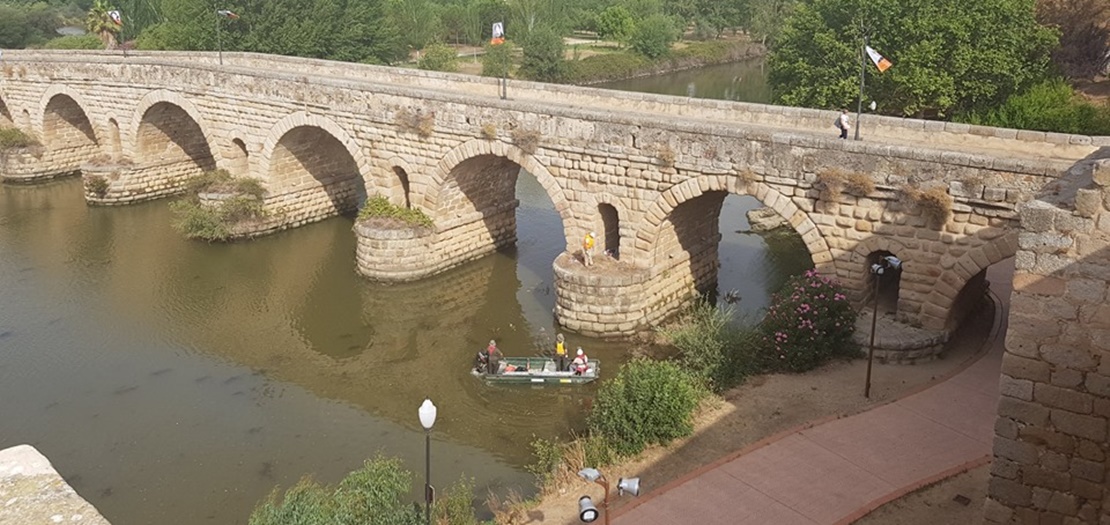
x=880, y=61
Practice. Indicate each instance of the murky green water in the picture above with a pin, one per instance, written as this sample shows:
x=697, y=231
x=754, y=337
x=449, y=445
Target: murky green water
x=740, y=81
x=179, y=382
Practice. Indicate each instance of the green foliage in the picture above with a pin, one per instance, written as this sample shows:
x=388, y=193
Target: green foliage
x=456, y=506
x=439, y=57
x=653, y=36
x=718, y=352
x=950, y=56
x=616, y=23
x=1048, y=106
x=767, y=18
x=809, y=322
x=608, y=66
x=97, y=185
x=648, y=402
x=379, y=207
x=74, y=42
x=15, y=138
x=100, y=24
x=26, y=24
x=376, y=494
x=497, y=60
x=418, y=22
x=543, y=56
x=217, y=222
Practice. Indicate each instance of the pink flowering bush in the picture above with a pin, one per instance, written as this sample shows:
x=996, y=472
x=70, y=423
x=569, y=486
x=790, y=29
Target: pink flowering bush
x=809, y=322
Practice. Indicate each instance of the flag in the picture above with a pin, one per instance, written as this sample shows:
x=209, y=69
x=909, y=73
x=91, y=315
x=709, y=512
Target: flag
x=880, y=61
x=227, y=14
x=498, y=33
x=115, y=16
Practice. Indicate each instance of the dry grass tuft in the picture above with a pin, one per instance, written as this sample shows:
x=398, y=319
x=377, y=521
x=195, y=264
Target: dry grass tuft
x=666, y=155
x=526, y=139
x=416, y=121
x=934, y=202
x=833, y=182
x=489, y=131
x=747, y=177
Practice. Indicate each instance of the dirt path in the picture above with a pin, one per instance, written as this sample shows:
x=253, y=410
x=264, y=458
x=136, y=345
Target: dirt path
x=767, y=406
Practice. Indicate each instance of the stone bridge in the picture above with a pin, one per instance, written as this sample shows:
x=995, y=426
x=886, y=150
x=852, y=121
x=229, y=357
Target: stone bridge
x=648, y=173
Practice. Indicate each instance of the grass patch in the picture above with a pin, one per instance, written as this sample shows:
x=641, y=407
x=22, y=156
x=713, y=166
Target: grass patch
x=96, y=185
x=666, y=155
x=218, y=222
x=379, y=208
x=526, y=139
x=488, y=131
x=419, y=122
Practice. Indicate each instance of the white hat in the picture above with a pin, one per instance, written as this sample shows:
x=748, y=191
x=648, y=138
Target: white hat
x=592, y=234
x=580, y=350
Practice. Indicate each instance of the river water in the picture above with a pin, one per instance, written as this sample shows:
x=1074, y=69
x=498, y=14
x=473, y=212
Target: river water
x=172, y=381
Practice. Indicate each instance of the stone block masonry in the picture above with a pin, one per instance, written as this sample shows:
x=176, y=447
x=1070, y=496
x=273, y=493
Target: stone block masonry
x=1052, y=452
x=33, y=492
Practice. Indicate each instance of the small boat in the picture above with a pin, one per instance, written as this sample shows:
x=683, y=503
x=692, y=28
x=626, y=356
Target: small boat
x=536, y=370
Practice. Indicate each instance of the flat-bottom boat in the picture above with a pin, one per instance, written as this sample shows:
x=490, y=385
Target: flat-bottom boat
x=535, y=370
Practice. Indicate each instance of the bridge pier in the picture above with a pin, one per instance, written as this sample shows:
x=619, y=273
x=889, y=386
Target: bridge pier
x=390, y=251
x=117, y=183
x=32, y=165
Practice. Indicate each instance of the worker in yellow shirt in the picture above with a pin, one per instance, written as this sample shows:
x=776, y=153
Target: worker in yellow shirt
x=588, y=248
x=560, y=353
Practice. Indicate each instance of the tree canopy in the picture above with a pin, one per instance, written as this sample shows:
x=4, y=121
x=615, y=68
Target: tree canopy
x=950, y=56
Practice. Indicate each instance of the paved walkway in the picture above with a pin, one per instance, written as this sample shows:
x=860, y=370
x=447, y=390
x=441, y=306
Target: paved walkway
x=840, y=470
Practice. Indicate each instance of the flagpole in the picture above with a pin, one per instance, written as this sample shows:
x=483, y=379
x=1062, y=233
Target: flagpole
x=862, y=77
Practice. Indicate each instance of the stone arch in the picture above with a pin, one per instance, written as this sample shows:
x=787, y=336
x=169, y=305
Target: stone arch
x=474, y=151
x=660, y=209
x=237, y=158
x=303, y=119
x=163, y=96
x=936, y=310
x=35, y=122
x=66, y=126
x=168, y=136
x=115, y=145
x=610, y=229
x=316, y=166
x=398, y=182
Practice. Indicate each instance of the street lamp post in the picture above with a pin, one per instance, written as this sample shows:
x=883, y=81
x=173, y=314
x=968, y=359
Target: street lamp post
x=587, y=512
x=888, y=262
x=222, y=13
x=427, y=414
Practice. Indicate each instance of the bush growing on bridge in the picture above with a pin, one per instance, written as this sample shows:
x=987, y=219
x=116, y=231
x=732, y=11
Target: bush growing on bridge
x=218, y=222
x=809, y=322
x=934, y=202
x=379, y=207
x=15, y=138
x=648, y=402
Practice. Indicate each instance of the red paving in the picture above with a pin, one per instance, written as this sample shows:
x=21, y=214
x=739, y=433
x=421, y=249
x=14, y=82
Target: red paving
x=840, y=470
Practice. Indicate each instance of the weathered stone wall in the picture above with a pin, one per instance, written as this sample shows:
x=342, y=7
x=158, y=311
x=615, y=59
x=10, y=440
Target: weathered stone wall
x=1051, y=454
x=33, y=492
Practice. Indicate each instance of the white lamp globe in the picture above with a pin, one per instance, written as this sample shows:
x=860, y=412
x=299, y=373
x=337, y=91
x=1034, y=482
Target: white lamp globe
x=427, y=413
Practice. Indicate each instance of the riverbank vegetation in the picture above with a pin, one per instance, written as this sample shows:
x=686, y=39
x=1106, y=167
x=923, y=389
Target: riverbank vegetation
x=379, y=209
x=217, y=206
x=11, y=138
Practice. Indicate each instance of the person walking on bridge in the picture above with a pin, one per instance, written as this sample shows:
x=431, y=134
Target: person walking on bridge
x=843, y=122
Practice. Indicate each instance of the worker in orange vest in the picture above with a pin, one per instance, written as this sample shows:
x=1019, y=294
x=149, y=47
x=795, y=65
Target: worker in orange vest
x=588, y=249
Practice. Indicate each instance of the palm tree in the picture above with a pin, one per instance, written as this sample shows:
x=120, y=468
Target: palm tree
x=100, y=22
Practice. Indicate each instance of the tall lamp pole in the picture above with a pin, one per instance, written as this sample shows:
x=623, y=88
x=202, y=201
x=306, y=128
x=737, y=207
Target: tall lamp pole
x=888, y=262
x=427, y=414
x=862, y=79
x=222, y=13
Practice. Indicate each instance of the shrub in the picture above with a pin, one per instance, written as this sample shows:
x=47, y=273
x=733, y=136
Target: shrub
x=378, y=207
x=1049, y=106
x=832, y=182
x=608, y=66
x=526, y=139
x=217, y=223
x=96, y=185
x=666, y=155
x=713, y=349
x=543, y=56
x=497, y=60
x=934, y=202
x=439, y=57
x=15, y=138
x=557, y=463
x=809, y=322
x=456, y=507
x=89, y=41
x=648, y=402
x=419, y=122
x=376, y=493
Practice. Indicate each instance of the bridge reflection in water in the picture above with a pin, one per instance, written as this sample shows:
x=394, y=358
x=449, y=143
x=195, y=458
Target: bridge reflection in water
x=173, y=378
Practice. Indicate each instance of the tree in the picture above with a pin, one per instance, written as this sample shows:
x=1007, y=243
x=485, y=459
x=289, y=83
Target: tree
x=439, y=57
x=13, y=28
x=950, y=56
x=1084, y=34
x=417, y=20
x=497, y=60
x=653, y=36
x=543, y=56
x=616, y=23
x=767, y=17
x=98, y=22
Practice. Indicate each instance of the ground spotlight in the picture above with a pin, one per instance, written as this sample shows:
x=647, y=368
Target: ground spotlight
x=587, y=512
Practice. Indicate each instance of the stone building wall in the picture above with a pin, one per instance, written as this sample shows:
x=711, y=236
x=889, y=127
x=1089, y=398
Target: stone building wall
x=1052, y=454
